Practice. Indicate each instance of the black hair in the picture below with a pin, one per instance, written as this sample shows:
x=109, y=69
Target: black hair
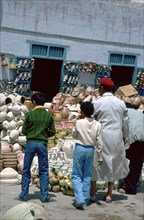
x=39, y=98
x=87, y=108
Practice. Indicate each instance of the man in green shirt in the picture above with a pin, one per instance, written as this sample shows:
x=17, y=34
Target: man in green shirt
x=38, y=126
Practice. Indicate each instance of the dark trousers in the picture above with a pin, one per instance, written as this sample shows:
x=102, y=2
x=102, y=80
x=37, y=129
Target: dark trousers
x=136, y=156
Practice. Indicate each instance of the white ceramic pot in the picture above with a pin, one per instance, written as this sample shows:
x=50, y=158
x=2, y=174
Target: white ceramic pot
x=10, y=106
x=16, y=147
x=20, y=167
x=19, y=123
x=3, y=133
x=8, y=173
x=5, y=146
x=22, y=140
x=16, y=109
x=10, y=116
x=26, y=210
x=12, y=125
x=14, y=134
x=5, y=124
x=20, y=130
x=4, y=108
x=24, y=109
x=3, y=116
x=9, y=182
x=19, y=99
x=68, y=146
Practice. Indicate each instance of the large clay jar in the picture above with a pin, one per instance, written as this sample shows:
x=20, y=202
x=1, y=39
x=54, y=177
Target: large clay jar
x=28, y=104
x=142, y=98
x=136, y=101
x=64, y=112
x=68, y=146
x=4, y=99
x=25, y=211
x=57, y=116
x=19, y=99
x=8, y=176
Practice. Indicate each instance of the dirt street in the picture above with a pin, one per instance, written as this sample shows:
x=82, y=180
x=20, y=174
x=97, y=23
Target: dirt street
x=123, y=207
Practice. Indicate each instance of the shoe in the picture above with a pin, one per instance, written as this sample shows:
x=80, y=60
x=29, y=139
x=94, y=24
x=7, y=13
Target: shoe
x=81, y=206
x=107, y=200
x=49, y=199
x=92, y=200
x=121, y=190
x=22, y=198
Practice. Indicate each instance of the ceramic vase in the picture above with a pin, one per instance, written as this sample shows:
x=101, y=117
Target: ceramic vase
x=57, y=116
x=64, y=112
x=28, y=104
x=68, y=146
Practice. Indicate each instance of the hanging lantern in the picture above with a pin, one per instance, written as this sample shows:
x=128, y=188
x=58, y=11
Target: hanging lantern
x=12, y=66
x=3, y=60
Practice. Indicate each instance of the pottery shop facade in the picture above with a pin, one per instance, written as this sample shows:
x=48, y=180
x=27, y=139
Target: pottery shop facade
x=52, y=46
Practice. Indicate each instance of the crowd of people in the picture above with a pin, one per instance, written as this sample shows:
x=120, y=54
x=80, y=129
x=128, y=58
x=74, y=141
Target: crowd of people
x=109, y=137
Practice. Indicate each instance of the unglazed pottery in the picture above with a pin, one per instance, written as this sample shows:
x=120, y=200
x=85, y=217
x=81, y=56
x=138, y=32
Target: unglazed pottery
x=68, y=146
x=24, y=211
x=57, y=116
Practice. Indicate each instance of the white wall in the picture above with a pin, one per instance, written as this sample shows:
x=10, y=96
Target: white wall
x=90, y=28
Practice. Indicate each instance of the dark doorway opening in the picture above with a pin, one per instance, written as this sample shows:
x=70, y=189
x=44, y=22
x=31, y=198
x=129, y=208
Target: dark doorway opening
x=122, y=75
x=46, y=77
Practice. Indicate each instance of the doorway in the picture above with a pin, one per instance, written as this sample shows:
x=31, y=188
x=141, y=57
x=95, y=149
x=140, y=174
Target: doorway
x=46, y=77
x=121, y=75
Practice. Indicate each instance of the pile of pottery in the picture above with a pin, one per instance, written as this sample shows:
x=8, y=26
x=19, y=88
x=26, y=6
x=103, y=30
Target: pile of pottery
x=137, y=101
x=1, y=163
x=10, y=160
x=12, y=115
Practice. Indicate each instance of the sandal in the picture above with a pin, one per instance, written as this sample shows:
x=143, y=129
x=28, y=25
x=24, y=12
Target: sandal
x=107, y=200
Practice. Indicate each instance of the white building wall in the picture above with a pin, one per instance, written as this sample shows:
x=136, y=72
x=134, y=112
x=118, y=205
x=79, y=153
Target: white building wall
x=90, y=28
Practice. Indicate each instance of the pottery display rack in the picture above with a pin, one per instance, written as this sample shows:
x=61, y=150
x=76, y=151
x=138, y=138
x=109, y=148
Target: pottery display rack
x=71, y=78
x=22, y=76
x=139, y=85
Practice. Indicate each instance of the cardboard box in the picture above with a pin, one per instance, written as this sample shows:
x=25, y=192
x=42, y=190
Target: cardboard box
x=127, y=90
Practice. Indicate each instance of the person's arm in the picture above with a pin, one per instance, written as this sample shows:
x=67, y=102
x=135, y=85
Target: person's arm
x=25, y=125
x=51, y=128
x=125, y=129
x=74, y=132
x=99, y=146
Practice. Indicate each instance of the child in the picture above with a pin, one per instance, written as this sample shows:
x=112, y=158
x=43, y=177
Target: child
x=87, y=135
x=38, y=126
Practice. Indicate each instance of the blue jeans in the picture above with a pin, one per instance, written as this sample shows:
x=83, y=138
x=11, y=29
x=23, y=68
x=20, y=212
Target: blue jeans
x=82, y=172
x=33, y=148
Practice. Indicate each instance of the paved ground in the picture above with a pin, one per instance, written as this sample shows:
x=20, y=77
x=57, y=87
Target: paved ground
x=123, y=207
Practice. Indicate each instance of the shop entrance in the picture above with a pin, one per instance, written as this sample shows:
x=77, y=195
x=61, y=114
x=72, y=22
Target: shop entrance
x=121, y=75
x=46, y=77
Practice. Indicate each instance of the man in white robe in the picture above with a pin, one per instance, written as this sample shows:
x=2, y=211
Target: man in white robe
x=111, y=112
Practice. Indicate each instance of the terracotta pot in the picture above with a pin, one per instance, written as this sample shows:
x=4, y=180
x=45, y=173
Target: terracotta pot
x=53, y=107
x=57, y=116
x=136, y=101
x=142, y=98
x=28, y=104
x=69, y=124
x=64, y=112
